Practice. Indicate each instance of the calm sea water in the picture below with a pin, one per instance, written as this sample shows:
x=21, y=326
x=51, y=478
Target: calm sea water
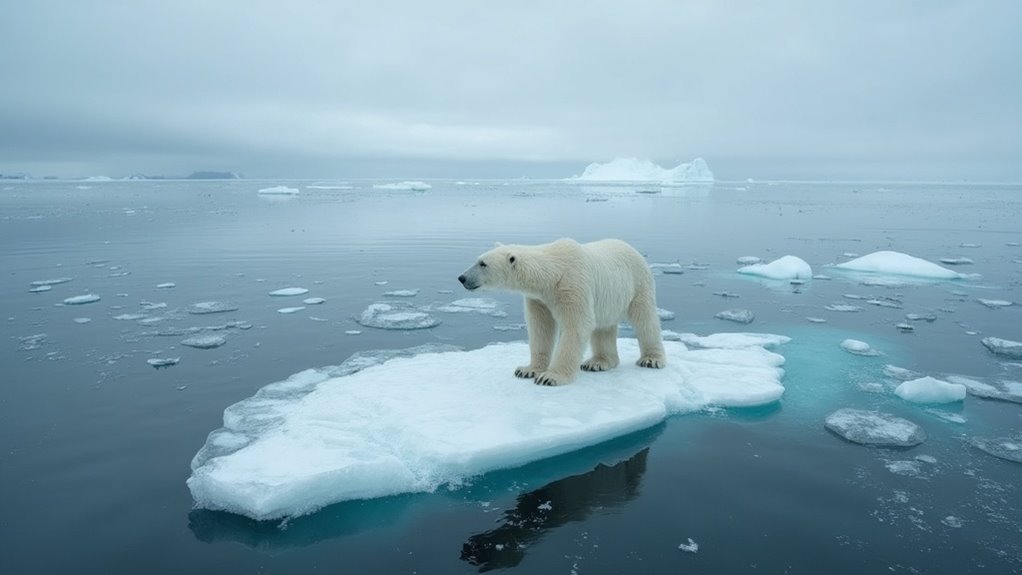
x=95, y=444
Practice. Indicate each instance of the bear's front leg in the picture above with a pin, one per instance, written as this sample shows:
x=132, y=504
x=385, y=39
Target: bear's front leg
x=575, y=328
x=541, y=338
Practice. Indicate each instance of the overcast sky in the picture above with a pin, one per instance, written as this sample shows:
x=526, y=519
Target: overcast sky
x=814, y=89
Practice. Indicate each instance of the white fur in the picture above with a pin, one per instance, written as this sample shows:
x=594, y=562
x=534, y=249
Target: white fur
x=575, y=294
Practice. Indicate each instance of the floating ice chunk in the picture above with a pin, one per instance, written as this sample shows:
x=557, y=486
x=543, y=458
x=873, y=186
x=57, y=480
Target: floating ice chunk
x=671, y=268
x=30, y=342
x=288, y=292
x=883, y=282
x=404, y=186
x=903, y=467
x=728, y=340
x=39, y=289
x=664, y=315
x=690, y=547
x=994, y=303
x=1007, y=448
x=51, y=282
x=129, y=316
x=82, y=299
x=204, y=341
x=874, y=428
x=152, y=305
x=313, y=300
x=402, y=293
x=930, y=390
x=725, y=294
x=956, y=261
x=353, y=332
x=785, y=268
x=844, y=307
x=289, y=310
x=900, y=373
x=858, y=347
x=748, y=260
x=411, y=424
x=394, y=316
x=206, y=307
x=279, y=190
x=929, y=317
x=736, y=315
x=970, y=245
x=952, y=521
x=821, y=277
x=899, y=264
x=946, y=415
x=926, y=459
x=811, y=319
x=159, y=362
x=485, y=306
x=82, y=320
x=1004, y=347
x=509, y=327
x=904, y=327
x=1006, y=391
x=636, y=170
x=885, y=302
x=166, y=285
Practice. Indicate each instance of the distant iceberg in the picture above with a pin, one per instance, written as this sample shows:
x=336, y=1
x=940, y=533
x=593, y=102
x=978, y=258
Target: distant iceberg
x=279, y=190
x=636, y=170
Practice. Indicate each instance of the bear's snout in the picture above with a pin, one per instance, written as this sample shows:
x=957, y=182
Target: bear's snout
x=461, y=278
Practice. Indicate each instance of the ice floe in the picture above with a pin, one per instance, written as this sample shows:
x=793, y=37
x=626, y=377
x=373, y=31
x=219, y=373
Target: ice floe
x=1002, y=391
x=290, y=310
x=858, y=347
x=51, y=282
x=736, y=315
x=1007, y=448
x=166, y=285
x=160, y=362
x=402, y=293
x=843, y=307
x=485, y=306
x=667, y=268
x=930, y=390
x=208, y=307
x=995, y=303
x=748, y=260
x=82, y=299
x=279, y=190
x=736, y=340
x=413, y=186
x=204, y=341
x=39, y=289
x=382, y=425
x=664, y=314
x=784, y=268
x=289, y=291
x=956, y=261
x=899, y=264
x=313, y=301
x=874, y=428
x=1003, y=347
x=396, y=316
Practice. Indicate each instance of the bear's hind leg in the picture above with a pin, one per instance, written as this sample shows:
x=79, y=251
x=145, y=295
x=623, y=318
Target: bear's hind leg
x=643, y=316
x=541, y=338
x=603, y=344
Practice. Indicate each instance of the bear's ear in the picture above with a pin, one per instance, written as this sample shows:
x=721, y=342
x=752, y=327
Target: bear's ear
x=511, y=259
x=497, y=244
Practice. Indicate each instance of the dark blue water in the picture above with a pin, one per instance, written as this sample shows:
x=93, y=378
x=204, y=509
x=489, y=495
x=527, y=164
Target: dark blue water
x=95, y=444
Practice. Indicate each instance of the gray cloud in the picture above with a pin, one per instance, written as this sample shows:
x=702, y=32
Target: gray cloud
x=784, y=89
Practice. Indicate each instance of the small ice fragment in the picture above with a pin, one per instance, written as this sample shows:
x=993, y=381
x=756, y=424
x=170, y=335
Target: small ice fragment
x=82, y=299
x=904, y=327
x=969, y=245
x=129, y=316
x=994, y=303
x=946, y=415
x=545, y=506
x=166, y=285
x=667, y=268
x=736, y=315
x=353, y=332
x=204, y=341
x=930, y=390
x=821, y=277
x=40, y=289
x=874, y=428
x=287, y=310
x=381, y=283
x=956, y=261
x=80, y=320
x=51, y=282
x=402, y=293
x=485, y=306
x=725, y=294
x=1003, y=347
x=748, y=260
x=313, y=300
x=903, y=467
x=290, y=291
x=901, y=373
x=159, y=362
x=509, y=327
x=952, y=521
x=927, y=459
x=885, y=302
x=315, y=318
x=843, y=307
x=666, y=315
x=929, y=318
x=206, y=307
x=858, y=347
x=816, y=319
x=279, y=190
x=690, y=547
x=404, y=186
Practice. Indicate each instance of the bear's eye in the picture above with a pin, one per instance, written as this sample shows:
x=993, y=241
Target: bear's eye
x=511, y=259
x=482, y=264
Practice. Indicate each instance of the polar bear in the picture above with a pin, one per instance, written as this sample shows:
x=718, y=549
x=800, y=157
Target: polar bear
x=575, y=294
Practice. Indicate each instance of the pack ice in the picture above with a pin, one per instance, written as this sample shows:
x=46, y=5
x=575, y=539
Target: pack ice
x=386, y=423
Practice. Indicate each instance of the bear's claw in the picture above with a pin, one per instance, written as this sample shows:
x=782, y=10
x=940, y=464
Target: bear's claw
x=526, y=372
x=651, y=362
x=547, y=379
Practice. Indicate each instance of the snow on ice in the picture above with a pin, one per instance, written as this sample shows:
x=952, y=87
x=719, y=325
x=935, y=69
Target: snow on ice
x=899, y=264
x=874, y=428
x=385, y=423
x=784, y=268
x=930, y=390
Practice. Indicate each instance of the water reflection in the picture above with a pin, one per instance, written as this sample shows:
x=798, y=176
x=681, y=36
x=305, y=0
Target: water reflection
x=573, y=498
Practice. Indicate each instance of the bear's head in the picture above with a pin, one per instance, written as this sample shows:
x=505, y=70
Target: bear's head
x=494, y=269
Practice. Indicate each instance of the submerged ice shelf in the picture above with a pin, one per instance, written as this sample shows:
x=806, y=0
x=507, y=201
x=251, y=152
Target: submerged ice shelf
x=384, y=424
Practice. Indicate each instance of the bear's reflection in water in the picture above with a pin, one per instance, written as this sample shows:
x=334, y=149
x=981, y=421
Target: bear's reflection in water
x=562, y=501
